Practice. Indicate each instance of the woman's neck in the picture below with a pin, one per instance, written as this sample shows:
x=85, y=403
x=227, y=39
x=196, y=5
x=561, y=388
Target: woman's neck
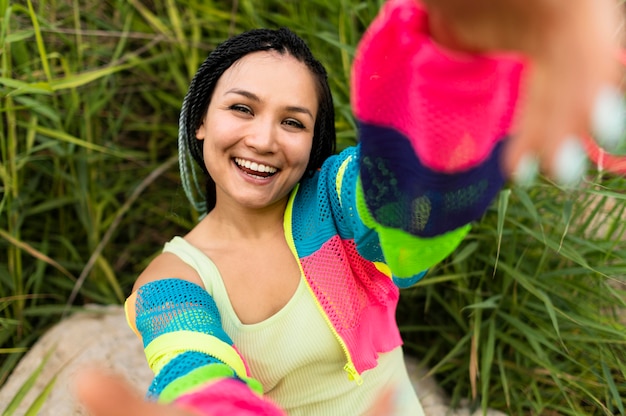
x=236, y=222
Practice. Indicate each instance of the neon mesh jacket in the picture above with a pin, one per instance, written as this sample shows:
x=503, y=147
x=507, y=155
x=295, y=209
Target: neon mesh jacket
x=374, y=218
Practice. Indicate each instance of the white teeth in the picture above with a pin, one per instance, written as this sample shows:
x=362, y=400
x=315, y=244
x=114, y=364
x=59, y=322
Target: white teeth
x=258, y=167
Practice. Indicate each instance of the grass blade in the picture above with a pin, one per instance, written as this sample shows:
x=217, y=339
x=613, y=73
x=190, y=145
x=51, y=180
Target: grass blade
x=27, y=386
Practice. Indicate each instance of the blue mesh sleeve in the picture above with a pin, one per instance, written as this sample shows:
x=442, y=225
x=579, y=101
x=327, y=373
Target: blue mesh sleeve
x=170, y=305
x=184, y=341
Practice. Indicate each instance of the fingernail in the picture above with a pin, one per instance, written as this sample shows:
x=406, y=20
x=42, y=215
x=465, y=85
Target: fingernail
x=570, y=163
x=526, y=171
x=608, y=118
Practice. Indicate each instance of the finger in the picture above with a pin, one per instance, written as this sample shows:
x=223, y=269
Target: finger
x=552, y=119
x=384, y=404
x=566, y=77
x=104, y=394
x=608, y=119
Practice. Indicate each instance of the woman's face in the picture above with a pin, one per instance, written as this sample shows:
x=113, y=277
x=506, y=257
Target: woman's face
x=258, y=129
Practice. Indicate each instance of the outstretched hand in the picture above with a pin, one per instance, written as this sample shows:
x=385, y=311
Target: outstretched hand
x=105, y=394
x=572, y=89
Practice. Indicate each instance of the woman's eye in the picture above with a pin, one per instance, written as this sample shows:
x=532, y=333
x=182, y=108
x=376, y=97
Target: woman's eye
x=241, y=108
x=293, y=123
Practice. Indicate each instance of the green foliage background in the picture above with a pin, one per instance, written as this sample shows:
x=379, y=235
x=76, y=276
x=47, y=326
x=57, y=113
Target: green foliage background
x=526, y=316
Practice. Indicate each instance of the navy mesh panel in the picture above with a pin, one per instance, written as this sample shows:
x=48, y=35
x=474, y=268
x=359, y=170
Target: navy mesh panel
x=402, y=193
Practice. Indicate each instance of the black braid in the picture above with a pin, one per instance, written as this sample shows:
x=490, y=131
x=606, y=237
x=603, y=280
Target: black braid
x=203, y=84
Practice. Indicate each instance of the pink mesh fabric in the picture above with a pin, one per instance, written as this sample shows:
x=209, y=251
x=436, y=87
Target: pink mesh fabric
x=228, y=397
x=453, y=107
x=357, y=298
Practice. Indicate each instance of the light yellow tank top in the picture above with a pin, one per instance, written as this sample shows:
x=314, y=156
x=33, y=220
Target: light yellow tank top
x=295, y=355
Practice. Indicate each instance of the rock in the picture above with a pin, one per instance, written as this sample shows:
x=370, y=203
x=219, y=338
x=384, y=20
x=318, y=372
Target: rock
x=100, y=336
x=433, y=398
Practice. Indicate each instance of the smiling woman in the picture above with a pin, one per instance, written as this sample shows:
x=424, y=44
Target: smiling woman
x=283, y=297
x=515, y=319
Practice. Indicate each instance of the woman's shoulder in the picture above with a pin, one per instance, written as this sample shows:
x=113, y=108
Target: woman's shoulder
x=334, y=167
x=169, y=264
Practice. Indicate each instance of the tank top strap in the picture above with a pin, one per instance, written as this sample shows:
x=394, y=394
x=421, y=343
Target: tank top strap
x=195, y=258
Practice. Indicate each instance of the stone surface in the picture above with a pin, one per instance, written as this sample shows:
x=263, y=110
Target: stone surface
x=101, y=336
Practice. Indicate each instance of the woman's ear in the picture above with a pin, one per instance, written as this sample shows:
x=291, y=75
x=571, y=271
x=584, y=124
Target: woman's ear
x=200, y=133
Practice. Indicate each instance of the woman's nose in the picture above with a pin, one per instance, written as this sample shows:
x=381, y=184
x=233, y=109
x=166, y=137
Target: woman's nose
x=262, y=136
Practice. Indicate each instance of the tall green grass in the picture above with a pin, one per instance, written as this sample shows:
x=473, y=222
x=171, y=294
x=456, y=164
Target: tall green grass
x=529, y=315
x=524, y=316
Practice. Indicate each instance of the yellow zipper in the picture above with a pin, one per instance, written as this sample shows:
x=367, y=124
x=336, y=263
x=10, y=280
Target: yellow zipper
x=353, y=374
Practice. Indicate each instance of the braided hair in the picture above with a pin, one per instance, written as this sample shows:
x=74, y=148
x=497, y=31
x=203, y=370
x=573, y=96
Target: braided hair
x=196, y=103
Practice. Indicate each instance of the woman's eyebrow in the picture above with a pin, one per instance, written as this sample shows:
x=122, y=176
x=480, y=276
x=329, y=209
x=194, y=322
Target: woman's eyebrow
x=254, y=97
x=302, y=110
x=245, y=93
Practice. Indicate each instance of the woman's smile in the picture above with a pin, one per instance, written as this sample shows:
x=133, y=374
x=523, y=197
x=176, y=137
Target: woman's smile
x=254, y=169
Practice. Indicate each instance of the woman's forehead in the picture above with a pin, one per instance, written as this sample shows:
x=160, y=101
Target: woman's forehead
x=270, y=73
x=254, y=62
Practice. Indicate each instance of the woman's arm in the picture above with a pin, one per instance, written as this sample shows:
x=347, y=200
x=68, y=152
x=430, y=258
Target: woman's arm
x=433, y=123
x=454, y=98
x=196, y=365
